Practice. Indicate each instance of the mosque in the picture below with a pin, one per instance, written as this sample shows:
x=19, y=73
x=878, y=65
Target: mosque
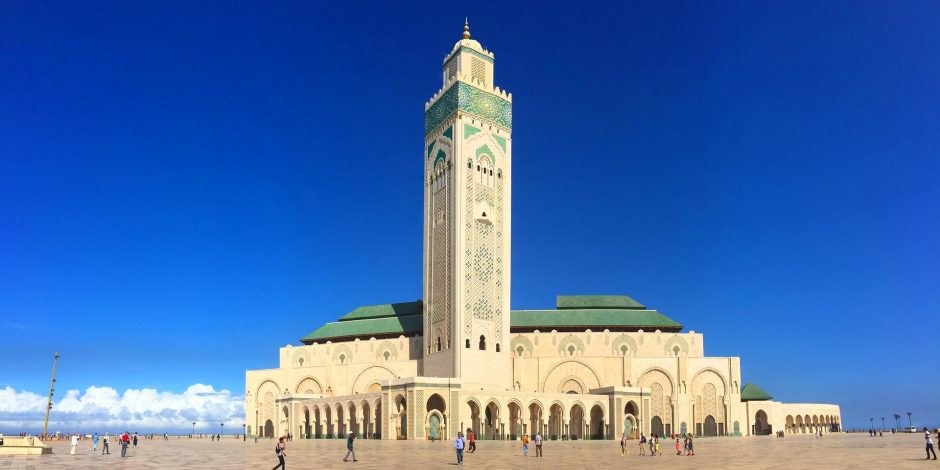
x=595, y=367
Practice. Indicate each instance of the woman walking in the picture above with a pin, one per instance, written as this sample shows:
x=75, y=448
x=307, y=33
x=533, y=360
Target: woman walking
x=525, y=445
x=642, y=444
x=281, y=450
x=623, y=444
x=689, y=451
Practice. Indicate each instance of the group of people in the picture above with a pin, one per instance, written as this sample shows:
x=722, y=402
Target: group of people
x=683, y=444
x=280, y=450
x=125, y=439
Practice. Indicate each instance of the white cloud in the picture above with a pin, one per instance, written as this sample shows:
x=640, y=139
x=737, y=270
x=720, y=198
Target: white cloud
x=104, y=409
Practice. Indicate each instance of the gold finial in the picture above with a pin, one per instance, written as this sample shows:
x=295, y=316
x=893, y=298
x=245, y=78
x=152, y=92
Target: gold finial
x=466, y=28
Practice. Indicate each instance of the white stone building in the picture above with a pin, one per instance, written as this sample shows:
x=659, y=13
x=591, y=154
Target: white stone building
x=593, y=368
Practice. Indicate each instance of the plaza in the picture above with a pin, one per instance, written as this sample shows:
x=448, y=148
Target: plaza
x=836, y=450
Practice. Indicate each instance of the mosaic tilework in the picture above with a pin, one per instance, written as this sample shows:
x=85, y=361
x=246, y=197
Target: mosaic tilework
x=472, y=100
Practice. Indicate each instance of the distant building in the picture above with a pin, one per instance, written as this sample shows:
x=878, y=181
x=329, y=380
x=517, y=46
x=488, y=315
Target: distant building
x=593, y=368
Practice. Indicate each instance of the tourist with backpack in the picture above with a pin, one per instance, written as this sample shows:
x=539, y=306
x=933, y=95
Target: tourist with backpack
x=280, y=450
x=349, y=445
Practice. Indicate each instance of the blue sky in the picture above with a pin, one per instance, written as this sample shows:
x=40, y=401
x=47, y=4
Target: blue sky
x=185, y=188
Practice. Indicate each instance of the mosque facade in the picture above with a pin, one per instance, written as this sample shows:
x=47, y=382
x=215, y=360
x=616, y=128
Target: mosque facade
x=595, y=367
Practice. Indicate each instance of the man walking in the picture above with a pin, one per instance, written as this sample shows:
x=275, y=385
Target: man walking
x=104, y=446
x=458, y=446
x=349, y=445
x=929, y=445
x=538, y=444
x=94, y=442
x=473, y=442
x=280, y=450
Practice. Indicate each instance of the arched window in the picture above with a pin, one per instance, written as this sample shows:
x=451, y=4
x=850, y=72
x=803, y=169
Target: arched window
x=301, y=362
x=386, y=354
x=438, y=343
x=497, y=347
x=571, y=350
x=485, y=171
x=675, y=350
x=520, y=350
x=438, y=181
x=623, y=350
x=342, y=358
x=482, y=343
x=468, y=343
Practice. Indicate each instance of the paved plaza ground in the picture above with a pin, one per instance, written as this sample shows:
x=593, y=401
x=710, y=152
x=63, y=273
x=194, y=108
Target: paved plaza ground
x=833, y=451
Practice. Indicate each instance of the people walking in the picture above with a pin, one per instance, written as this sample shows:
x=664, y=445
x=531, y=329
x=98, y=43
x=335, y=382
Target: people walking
x=678, y=450
x=458, y=446
x=689, y=450
x=74, y=444
x=135, y=439
x=473, y=442
x=281, y=451
x=104, y=444
x=349, y=445
x=94, y=442
x=623, y=444
x=929, y=445
x=525, y=445
x=538, y=444
x=642, y=444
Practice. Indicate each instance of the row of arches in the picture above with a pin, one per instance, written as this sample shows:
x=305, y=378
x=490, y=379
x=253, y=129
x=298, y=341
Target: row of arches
x=803, y=424
x=336, y=420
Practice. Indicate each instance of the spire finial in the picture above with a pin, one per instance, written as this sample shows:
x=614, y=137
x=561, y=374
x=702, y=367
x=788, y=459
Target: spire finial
x=466, y=28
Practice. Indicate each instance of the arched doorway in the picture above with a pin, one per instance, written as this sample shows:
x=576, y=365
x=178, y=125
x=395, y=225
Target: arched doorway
x=367, y=426
x=492, y=430
x=436, y=408
x=340, y=421
x=268, y=429
x=305, y=429
x=535, y=419
x=284, y=428
x=597, y=430
x=711, y=426
x=576, y=422
x=631, y=411
x=353, y=420
x=378, y=419
x=629, y=426
x=656, y=426
x=330, y=428
x=402, y=421
x=318, y=424
x=515, y=421
x=554, y=421
x=475, y=418
x=761, y=427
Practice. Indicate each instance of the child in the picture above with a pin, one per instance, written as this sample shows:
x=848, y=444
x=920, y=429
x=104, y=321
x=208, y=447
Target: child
x=678, y=452
x=525, y=445
x=642, y=444
x=658, y=452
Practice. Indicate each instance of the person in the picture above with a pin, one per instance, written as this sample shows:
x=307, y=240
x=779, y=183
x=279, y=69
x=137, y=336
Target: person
x=74, y=444
x=538, y=444
x=280, y=450
x=125, y=440
x=525, y=445
x=642, y=444
x=929, y=444
x=104, y=444
x=135, y=438
x=165, y=437
x=473, y=442
x=458, y=446
x=678, y=450
x=689, y=451
x=94, y=442
x=349, y=445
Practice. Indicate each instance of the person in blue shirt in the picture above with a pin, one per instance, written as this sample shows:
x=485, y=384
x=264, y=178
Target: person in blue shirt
x=349, y=445
x=459, y=444
x=94, y=442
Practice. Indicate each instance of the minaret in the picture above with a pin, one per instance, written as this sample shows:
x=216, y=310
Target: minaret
x=467, y=221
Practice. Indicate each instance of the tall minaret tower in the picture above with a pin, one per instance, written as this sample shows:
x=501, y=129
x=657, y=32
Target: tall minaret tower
x=467, y=221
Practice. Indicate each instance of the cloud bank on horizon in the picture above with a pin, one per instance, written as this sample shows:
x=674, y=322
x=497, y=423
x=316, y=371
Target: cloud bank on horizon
x=104, y=409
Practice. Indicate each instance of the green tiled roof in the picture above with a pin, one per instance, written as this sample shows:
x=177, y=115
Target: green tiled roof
x=385, y=310
x=752, y=392
x=597, y=301
x=396, y=325
x=593, y=317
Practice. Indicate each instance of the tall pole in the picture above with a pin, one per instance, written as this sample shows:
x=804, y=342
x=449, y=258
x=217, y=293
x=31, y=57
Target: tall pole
x=909, y=419
x=45, y=424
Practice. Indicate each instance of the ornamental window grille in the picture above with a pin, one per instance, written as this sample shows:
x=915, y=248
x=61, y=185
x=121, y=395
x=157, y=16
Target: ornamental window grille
x=478, y=70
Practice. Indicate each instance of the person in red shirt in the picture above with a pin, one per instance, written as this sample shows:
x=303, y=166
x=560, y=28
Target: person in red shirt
x=125, y=440
x=473, y=442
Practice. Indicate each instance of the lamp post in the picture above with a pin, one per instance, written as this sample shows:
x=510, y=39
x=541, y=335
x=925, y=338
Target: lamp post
x=897, y=422
x=222, y=432
x=872, y=427
x=194, y=430
x=244, y=433
x=909, y=419
x=882, y=422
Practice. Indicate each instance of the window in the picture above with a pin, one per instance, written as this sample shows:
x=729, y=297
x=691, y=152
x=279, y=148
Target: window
x=482, y=343
x=497, y=347
x=301, y=362
x=520, y=350
x=478, y=70
x=675, y=350
x=623, y=350
x=468, y=344
x=485, y=171
x=571, y=350
x=438, y=344
x=438, y=176
x=342, y=358
x=386, y=354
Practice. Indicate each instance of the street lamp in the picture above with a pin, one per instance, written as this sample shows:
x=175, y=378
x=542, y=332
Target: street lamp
x=222, y=433
x=194, y=431
x=872, y=427
x=909, y=419
x=882, y=422
x=897, y=422
x=244, y=433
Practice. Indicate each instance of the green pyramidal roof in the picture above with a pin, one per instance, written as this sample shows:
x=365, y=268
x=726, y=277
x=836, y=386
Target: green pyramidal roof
x=385, y=310
x=752, y=392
